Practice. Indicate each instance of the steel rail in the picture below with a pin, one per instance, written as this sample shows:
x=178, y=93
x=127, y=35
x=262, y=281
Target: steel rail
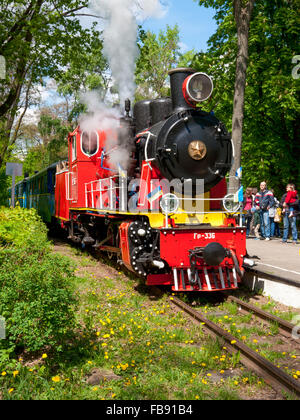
x=275, y=377
x=284, y=325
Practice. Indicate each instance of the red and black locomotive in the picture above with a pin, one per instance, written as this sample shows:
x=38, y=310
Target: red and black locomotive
x=162, y=213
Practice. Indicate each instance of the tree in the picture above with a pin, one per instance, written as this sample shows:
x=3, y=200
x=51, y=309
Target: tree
x=37, y=39
x=158, y=54
x=39, y=145
x=270, y=148
x=242, y=12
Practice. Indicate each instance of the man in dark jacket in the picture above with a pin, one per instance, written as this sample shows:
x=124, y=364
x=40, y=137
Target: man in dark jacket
x=264, y=200
x=289, y=221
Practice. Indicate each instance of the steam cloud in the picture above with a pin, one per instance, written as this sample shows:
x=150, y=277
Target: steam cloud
x=120, y=48
x=120, y=35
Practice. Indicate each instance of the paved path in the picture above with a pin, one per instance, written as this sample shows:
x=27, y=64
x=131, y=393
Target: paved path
x=276, y=257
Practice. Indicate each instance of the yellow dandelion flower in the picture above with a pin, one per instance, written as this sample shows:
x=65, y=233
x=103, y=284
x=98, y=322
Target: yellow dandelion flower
x=15, y=373
x=233, y=342
x=56, y=378
x=10, y=390
x=44, y=356
x=3, y=373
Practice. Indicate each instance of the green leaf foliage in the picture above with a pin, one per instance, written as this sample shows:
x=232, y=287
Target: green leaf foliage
x=271, y=136
x=4, y=185
x=43, y=39
x=158, y=54
x=36, y=292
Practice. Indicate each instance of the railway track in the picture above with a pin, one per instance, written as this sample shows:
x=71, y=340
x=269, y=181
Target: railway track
x=285, y=328
x=273, y=376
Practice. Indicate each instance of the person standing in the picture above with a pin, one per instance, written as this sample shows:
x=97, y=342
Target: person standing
x=247, y=206
x=272, y=214
x=264, y=200
x=289, y=221
x=256, y=223
x=277, y=221
x=254, y=192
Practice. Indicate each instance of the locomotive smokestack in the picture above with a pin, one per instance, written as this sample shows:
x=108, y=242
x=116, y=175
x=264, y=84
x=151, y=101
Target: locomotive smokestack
x=127, y=107
x=177, y=78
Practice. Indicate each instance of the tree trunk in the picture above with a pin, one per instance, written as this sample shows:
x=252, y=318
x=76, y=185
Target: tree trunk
x=242, y=13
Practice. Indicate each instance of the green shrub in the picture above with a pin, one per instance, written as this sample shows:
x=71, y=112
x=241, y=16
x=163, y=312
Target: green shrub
x=23, y=228
x=5, y=182
x=36, y=292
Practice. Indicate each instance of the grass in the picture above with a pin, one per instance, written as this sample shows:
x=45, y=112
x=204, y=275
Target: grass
x=261, y=337
x=155, y=353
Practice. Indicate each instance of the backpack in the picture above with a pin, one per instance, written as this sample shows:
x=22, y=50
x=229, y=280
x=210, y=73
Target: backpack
x=278, y=215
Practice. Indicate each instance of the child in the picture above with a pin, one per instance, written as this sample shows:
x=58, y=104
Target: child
x=291, y=198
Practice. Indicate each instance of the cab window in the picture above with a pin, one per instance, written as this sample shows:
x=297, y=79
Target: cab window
x=74, y=151
x=89, y=143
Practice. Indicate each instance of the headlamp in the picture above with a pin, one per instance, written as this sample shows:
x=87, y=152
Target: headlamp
x=197, y=88
x=169, y=204
x=230, y=204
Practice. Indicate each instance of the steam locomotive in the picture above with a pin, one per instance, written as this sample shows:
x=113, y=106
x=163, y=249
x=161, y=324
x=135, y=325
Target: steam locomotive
x=165, y=215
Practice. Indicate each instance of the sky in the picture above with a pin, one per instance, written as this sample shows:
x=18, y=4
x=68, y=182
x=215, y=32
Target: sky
x=196, y=23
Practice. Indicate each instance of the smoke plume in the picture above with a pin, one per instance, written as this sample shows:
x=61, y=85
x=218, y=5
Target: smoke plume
x=120, y=37
x=100, y=117
x=120, y=48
